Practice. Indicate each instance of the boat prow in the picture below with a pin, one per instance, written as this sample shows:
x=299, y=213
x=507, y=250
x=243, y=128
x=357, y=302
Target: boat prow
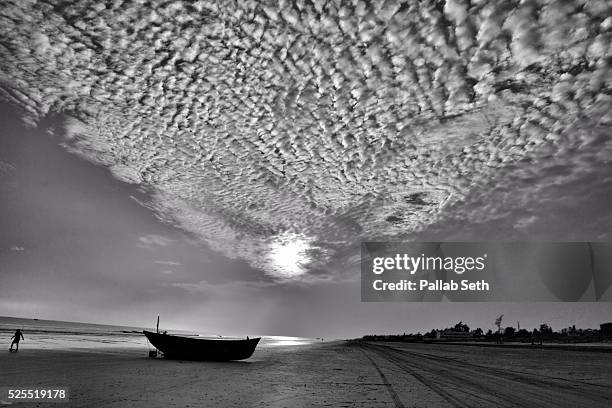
x=190, y=348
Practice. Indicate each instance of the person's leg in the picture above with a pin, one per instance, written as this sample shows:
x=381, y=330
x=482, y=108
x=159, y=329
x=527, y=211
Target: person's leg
x=12, y=346
x=17, y=346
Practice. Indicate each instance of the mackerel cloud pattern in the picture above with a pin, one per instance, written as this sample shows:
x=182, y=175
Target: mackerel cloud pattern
x=255, y=123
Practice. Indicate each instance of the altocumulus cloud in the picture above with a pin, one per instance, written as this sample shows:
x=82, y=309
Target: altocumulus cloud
x=218, y=289
x=253, y=121
x=152, y=240
x=168, y=263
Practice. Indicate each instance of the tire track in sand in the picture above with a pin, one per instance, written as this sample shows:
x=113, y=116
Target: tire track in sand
x=470, y=385
x=396, y=399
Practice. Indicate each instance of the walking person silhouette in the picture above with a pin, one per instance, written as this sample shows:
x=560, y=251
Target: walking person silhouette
x=16, y=337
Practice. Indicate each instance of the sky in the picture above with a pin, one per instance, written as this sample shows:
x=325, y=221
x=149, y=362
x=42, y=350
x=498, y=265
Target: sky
x=219, y=164
x=77, y=245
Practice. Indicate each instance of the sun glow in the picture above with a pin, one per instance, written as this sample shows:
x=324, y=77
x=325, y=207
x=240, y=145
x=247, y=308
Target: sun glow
x=289, y=255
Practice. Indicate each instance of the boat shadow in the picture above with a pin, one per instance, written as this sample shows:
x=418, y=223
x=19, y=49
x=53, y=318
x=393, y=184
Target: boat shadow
x=230, y=363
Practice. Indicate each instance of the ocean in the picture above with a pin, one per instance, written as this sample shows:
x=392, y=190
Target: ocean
x=54, y=335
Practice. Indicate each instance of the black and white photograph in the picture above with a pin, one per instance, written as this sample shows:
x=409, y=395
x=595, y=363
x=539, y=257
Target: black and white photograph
x=306, y=203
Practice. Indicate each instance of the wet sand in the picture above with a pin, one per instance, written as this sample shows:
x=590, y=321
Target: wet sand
x=330, y=374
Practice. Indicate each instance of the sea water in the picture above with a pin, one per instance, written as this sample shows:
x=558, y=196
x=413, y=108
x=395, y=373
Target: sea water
x=51, y=334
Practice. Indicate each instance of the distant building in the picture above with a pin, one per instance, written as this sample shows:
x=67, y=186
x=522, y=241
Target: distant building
x=606, y=329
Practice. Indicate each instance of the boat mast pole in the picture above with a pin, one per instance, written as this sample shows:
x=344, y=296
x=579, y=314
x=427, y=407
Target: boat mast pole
x=157, y=324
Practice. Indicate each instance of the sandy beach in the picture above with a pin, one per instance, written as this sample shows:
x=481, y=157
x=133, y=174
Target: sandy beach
x=339, y=374
x=297, y=376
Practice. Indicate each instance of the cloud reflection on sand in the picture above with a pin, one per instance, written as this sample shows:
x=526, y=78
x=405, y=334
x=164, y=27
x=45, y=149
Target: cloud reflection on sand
x=272, y=341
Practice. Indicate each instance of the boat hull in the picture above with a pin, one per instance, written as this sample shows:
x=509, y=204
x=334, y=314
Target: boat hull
x=186, y=348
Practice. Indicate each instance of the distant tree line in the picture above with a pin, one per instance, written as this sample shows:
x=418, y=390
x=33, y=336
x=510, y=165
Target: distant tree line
x=462, y=332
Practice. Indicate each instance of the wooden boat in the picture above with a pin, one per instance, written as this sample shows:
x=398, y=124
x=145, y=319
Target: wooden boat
x=193, y=348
